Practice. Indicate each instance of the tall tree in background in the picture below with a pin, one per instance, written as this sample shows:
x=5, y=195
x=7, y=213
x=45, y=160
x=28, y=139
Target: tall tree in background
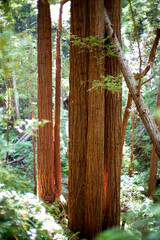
x=57, y=161
x=45, y=151
x=86, y=124
x=154, y=158
x=112, y=144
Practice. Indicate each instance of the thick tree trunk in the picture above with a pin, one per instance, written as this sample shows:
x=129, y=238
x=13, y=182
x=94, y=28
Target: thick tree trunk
x=86, y=124
x=45, y=153
x=78, y=121
x=131, y=83
x=95, y=130
x=154, y=159
x=112, y=147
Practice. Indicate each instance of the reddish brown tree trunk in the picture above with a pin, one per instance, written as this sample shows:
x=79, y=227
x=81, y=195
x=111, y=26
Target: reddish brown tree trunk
x=57, y=162
x=112, y=147
x=78, y=121
x=86, y=124
x=154, y=159
x=45, y=153
x=95, y=129
x=132, y=148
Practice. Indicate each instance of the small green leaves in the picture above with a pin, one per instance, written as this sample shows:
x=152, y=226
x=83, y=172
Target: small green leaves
x=91, y=43
x=110, y=83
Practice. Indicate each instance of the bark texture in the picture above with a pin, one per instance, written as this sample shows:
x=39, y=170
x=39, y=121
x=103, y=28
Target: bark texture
x=45, y=153
x=112, y=147
x=86, y=124
x=131, y=83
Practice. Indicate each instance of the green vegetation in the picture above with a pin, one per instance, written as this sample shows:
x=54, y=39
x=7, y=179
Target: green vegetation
x=22, y=215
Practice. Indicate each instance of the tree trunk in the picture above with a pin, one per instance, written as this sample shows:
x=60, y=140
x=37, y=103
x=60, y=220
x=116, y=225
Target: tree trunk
x=112, y=147
x=126, y=117
x=95, y=130
x=45, y=151
x=57, y=162
x=132, y=148
x=154, y=159
x=8, y=113
x=86, y=124
x=16, y=98
x=131, y=83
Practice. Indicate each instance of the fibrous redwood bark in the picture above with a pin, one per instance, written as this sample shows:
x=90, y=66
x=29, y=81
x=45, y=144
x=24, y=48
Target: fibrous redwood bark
x=131, y=83
x=95, y=129
x=78, y=111
x=45, y=153
x=112, y=133
x=86, y=124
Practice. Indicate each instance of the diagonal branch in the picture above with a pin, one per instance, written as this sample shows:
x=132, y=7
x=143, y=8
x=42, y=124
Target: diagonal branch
x=137, y=76
x=131, y=83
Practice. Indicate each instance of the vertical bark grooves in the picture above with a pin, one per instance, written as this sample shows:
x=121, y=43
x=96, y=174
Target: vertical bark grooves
x=86, y=125
x=78, y=121
x=45, y=164
x=112, y=144
x=95, y=135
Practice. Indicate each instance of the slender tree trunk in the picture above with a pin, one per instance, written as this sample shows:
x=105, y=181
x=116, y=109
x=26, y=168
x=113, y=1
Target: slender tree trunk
x=131, y=83
x=8, y=109
x=154, y=159
x=132, y=147
x=45, y=151
x=33, y=132
x=112, y=147
x=126, y=117
x=34, y=156
x=57, y=162
x=16, y=98
x=86, y=124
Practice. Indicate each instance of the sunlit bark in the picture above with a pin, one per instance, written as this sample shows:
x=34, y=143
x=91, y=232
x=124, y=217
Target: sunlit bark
x=45, y=151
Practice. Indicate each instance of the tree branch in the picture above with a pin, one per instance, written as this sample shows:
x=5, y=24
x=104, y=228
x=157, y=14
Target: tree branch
x=131, y=83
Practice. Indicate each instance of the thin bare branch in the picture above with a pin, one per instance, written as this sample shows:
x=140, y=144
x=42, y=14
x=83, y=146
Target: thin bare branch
x=139, y=50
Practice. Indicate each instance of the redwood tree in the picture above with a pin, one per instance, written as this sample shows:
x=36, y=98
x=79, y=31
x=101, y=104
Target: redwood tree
x=45, y=153
x=86, y=123
x=112, y=144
